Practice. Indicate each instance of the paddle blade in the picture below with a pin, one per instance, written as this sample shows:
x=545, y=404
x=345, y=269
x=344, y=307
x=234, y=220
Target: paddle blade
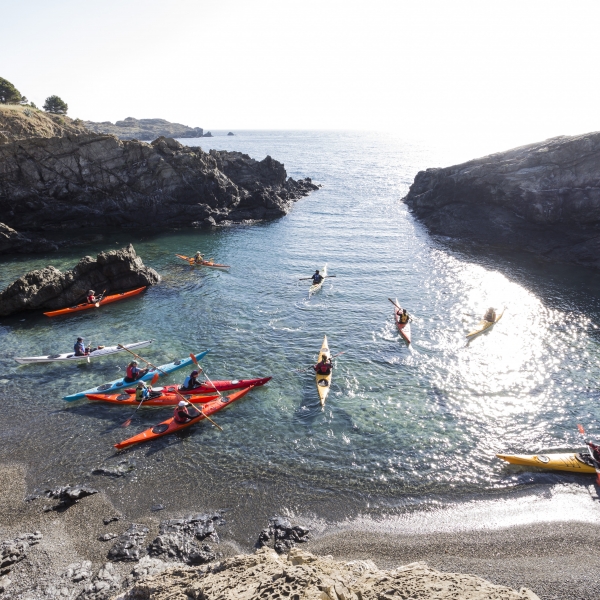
x=127, y=423
x=581, y=429
x=194, y=360
x=155, y=378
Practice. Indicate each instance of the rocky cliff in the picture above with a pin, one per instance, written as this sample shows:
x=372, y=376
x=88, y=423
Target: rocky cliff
x=542, y=198
x=145, y=129
x=91, y=181
x=50, y=289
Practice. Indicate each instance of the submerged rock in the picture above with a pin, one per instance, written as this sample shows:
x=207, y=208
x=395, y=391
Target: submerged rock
x=93, y=181
x=50, y=289
x=542, y=198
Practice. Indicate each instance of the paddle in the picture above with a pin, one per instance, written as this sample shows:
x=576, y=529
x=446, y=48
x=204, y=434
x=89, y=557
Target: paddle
x=324, y=277
x=594, y=461
x=128, y=422
x=97, y=304
x=195, y=361
x=142, y=359
x=308, y=368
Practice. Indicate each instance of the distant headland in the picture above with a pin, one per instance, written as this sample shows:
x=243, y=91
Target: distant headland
x=145, y=129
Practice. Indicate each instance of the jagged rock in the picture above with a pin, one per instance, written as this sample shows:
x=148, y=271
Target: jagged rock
x=103, y=586
x=144, y=129
x=177, y=539
x=542, y=198
x=13, y=551
x=49, y=288
x=123, y=468
x=157, y=507
x=129, y=544
x=265, y=575
x=147, y=567
x=106, y=537
x=77, y=572
x=108, y=520
x=92, y=181
x=12, y=241
x=284, y=535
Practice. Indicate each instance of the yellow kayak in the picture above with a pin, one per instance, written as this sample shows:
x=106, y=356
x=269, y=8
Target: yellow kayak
x=571, y=461
x=484, y=325
x=317, y=286
x=323, y=381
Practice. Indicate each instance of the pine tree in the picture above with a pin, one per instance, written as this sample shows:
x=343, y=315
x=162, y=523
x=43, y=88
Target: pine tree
x=56, y=105
x=9, y=94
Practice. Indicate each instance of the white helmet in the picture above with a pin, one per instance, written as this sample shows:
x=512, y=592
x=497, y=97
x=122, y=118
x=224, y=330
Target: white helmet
x=181, y=403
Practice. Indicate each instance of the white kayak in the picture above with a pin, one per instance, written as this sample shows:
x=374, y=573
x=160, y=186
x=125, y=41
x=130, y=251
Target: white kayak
x=26, y=360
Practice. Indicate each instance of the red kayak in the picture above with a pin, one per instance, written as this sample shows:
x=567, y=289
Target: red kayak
x=170, y=426
x=87, y=305
x=207, y=388
x=157, y=400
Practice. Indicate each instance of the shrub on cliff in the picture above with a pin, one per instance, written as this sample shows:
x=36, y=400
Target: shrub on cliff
x=9, y=94
x=56, y=105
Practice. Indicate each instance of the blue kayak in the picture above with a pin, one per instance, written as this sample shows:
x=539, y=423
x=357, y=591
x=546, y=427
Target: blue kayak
x=114, y=386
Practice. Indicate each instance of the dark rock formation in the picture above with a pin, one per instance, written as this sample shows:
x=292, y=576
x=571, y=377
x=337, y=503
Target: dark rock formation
x=231, y=133
x=542, y=198
x=13, y=551
x=97, y=181
x=178, y=539
x=49, y=289
x=129, y=545
x=12, y=241
x=144, y=129
x=283, y=534
x=66, y=495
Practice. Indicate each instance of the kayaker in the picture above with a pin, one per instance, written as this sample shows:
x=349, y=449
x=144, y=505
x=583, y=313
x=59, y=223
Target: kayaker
x=142, y=391
x=91, y=297
x=80, y=349
x=191, y=381
x=134, y=372
x=324, y=366
x=317, y=277
x=595, y=451
x=490, y=315
x=403, y=316
x=181, y=414
x=198, y=258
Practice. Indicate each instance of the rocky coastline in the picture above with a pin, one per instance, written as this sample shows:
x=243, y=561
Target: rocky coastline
x=88, y=181
x=145, y=129
x=543, y=198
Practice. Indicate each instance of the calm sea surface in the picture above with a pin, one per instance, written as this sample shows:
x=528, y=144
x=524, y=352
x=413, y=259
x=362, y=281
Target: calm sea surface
x=402, y=427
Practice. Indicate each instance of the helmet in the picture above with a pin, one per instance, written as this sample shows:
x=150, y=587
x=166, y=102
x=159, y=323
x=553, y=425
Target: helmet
x=134, y=362
x=80, y=339
x=194, y=372
x=140, y=386
x=90, y=292
x=181, y=403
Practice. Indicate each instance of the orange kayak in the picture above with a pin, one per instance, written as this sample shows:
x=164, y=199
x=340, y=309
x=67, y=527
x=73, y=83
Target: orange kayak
x=160, y=400
x=204, y=263
x=170, y=426
x=86, y=305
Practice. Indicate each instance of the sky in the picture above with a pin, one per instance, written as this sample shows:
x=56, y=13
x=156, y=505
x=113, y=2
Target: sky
x=504, y=72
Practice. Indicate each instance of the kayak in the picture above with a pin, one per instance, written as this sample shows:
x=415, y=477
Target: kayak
x=170, y=426
x=323, y=381
x=160, y=399
x=71, y=357
x=87, y=305
x=204, y=263
x=170, y=396
x=575, y=462
x=484, y=325
x=118, y=384
x=317, y=286
x=403, y=328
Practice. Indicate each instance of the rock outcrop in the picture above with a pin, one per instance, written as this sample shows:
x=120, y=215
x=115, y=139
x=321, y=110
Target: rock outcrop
x=12, y=241
x=49, y=289
x=23, y=122
x=302, y=575
x=94, y=181
x=542, y=198
x=144, y=129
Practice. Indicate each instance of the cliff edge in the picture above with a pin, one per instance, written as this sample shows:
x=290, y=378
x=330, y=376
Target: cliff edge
x=542, y=198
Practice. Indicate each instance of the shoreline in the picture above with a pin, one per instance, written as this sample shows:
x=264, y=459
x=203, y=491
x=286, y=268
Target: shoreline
x=553, y=558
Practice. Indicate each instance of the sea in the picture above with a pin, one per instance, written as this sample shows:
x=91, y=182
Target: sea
x=406, y=431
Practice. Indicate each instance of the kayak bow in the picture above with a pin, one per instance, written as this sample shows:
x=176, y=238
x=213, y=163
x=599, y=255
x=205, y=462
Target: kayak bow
x=170, y=426
x=575, y=462
x=87, y=305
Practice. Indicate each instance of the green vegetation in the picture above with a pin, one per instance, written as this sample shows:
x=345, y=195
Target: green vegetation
x=56, y=105
x=9, y=94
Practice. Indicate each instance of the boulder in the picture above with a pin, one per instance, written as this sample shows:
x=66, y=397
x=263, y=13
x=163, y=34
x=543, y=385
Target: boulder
x=543, y=198
x=129, y=545
x=13, y=551
x=50, y=289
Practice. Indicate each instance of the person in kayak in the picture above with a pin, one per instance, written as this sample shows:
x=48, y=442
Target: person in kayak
x=134, y=372
x=80, y=349
x=91, y=297
x=490, y=315
x=595, y=452
x=191, y=381
x=317, y=277
x=182, y=414
x=198, y=258
x=324, y=366
x=403, y=316
x=142, y=391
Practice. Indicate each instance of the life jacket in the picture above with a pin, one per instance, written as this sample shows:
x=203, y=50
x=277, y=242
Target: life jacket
x=317, y=278
x=92, y=299
x=180, y=415
x=190, y=382
x=132, y=372
x=79, y=349
x=323, y=368
x=403, y=318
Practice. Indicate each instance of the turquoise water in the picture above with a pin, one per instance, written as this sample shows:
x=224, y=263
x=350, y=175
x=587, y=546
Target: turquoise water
x=402, y=427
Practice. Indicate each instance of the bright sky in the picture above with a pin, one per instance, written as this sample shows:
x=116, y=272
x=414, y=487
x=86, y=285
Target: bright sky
x=510, y=72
